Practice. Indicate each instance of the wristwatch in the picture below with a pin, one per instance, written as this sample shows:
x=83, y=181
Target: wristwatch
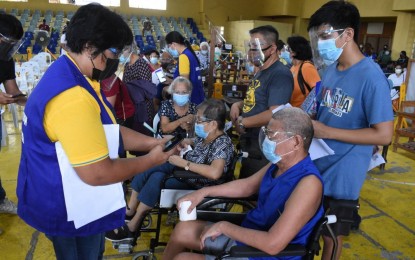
x=241, y=125
x=187, y=167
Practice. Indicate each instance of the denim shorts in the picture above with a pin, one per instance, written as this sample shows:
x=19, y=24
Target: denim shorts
x=218, y=246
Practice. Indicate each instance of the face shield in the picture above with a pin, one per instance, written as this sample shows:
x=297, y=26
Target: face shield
x=323, y=45
x=8, y=47
x=124, y=58
x=255, y=49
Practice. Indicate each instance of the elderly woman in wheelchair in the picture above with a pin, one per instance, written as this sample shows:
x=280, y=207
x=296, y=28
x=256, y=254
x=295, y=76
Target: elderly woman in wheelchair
x=211, y=156
x=289, y=192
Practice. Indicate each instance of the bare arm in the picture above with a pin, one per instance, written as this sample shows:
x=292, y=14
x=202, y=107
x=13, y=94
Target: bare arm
x=260, y=119
x=235, y=189
x=378, y=134
x=213, y=171
x=11, y=89
x=135, y=141
x=109, y=171
x=299, y=209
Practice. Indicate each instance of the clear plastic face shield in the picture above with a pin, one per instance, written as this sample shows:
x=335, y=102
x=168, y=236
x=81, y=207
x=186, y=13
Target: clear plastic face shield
x=8, y=47
x=274, y=136
x=255, y=50
x=323, y=32
x=124, y=57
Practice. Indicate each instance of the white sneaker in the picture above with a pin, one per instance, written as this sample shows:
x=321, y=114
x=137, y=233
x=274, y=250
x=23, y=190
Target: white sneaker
x=8, y=207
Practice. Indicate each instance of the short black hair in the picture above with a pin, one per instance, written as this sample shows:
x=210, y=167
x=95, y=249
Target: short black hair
x=339, y=14
x=214, y=109
x=10, y=26
x=269, y=32
x=301, y=47
x=97, y=26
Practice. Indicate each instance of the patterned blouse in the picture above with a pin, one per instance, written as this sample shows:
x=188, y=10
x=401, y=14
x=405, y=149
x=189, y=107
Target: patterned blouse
x=138, y=70
x=220, y=148
x=167, y=109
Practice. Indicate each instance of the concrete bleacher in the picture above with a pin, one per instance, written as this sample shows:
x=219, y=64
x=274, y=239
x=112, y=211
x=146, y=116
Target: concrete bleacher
x=31, y=19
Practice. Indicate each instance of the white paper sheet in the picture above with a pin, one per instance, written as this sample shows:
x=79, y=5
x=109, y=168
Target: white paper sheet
x=319, y=148
x=86, y=203
x=376, y=160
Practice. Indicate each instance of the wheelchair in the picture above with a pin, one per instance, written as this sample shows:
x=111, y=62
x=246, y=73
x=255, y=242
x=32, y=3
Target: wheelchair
x=166, y=207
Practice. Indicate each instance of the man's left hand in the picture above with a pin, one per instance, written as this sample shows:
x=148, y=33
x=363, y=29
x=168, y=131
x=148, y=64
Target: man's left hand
x=211, y=232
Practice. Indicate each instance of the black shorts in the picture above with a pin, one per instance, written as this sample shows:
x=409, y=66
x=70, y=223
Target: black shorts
x=344, y=210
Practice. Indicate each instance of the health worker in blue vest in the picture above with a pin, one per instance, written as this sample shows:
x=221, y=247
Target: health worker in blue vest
x=69, y=175
x=188, y=64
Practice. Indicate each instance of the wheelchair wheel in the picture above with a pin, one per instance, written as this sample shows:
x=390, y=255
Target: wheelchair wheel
x=144, y=256
x=147, y=221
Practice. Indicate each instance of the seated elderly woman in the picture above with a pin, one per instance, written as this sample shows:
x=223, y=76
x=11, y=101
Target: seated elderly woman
x=211, y=156
x=177, y=114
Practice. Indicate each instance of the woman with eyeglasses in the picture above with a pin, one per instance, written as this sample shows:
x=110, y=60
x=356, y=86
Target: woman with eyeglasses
x=188, y=64
x=211, y=156
x=69, y=161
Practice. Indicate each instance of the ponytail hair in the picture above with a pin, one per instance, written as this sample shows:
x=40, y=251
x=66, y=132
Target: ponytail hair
x=176, y=37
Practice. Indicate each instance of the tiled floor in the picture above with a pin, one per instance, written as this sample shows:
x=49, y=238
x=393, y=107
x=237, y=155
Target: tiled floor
x=387, y=208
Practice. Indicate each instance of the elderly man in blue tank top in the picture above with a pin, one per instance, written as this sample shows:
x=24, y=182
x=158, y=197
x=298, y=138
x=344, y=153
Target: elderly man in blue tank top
x=289, y=192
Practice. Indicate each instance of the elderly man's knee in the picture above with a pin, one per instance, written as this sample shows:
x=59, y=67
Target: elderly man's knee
x=187, y=230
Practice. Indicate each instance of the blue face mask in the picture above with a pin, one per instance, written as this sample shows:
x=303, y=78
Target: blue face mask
x=173, y=52
x=269, y=147
x=200, y=131
x=154, y=60
x=329, y=51
x=250, y=68
x=180, y=100
x=286, y=56
x=124, y=60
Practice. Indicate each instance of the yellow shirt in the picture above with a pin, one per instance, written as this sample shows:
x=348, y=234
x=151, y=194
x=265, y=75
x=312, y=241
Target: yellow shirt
x=73, y=118
x=184, y=65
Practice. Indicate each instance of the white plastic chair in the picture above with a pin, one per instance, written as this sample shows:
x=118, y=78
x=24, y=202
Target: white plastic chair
x=44, y=60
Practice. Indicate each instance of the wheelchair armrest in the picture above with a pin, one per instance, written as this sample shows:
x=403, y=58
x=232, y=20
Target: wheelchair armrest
x=248, y=251
x=214, y=216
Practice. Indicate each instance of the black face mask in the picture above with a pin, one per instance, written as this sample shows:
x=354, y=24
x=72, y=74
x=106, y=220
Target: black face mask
x=111, y=66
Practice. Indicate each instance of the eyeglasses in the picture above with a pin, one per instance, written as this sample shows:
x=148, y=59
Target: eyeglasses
x=272, y=134
x=201, y=120
x=326, y=34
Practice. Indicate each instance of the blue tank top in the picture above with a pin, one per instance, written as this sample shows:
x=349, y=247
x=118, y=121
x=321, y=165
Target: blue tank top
x=274, y=193
x=41, y=201
x=198, y=94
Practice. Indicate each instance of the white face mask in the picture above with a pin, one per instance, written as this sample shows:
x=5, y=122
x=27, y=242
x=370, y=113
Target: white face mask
x=398, y=71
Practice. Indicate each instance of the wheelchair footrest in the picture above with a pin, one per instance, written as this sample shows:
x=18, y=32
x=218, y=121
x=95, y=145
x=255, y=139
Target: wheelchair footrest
x=124, y=246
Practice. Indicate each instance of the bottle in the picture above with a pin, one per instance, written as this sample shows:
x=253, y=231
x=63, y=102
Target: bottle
x=217, y=89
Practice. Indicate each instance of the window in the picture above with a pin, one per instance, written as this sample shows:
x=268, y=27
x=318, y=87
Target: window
x=84, y=2
x=148, y=4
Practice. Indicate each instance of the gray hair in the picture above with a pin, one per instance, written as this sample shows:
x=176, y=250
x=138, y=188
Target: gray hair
x=296, y=121
x=178, y=80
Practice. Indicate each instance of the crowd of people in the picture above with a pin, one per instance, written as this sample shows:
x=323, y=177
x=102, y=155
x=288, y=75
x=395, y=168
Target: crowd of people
x=81, y=125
